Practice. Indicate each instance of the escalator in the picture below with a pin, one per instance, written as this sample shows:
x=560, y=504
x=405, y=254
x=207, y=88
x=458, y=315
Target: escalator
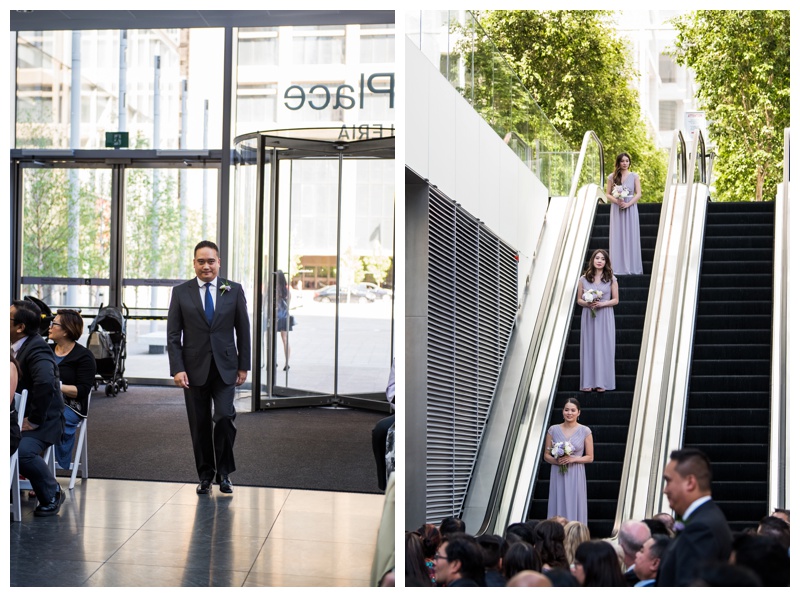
x=728, y=406
x=607, y=414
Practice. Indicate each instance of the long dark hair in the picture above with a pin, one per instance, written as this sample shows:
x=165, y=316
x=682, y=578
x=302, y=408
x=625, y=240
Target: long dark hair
x=608, y=273
x=550, y=543
x=521, y=556
x=618, y=170
x=416, y=568
x=600, y=563
x=283, y=288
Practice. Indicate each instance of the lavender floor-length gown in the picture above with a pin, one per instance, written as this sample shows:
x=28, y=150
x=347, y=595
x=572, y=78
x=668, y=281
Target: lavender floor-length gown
x=625, y=247
x=568, y=490
x=598, y=341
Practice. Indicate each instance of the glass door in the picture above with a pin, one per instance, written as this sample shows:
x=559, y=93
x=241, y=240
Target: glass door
x=323, y=270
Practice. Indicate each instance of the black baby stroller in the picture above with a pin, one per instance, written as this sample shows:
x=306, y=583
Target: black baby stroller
x=107, y=343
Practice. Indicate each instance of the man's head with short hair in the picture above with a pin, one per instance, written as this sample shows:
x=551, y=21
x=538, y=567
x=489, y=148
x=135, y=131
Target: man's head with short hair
x=493, y=547
x=632, y=535
x=459, y=556
x=26, y=318
x=687, y=478
x=773, y=526
x=206, y=261
x=648, y=558
x=450, y=525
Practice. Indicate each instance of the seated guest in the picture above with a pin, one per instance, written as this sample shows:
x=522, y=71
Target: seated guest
x=44, y=410
x=775, y=527
x=632, y=535
x=380, y=433
x=648, y=559
x=431, y=538
x=597, y=565
x=459, y=562
x=520, y=531
x=765, y=556
x=656, y=527
x=15, y=437
x=520, y=556
x=450, y=525
x=549, y=542
x=575, y=533
x=530, y=578
x=77, y=368
x=668, y=521
x=416, y=570
x=782, y=514
x=494, y=548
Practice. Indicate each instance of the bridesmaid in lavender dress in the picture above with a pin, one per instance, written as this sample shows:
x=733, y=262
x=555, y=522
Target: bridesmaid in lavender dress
x=598, y=330
x=623, y=235
x=568, y=489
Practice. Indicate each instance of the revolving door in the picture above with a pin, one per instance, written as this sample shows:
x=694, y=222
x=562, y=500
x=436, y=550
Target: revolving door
x=312, y=242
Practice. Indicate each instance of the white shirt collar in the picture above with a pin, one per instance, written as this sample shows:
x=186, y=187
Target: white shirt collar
x=18, y=344
x=202, y=284
x=695, y=505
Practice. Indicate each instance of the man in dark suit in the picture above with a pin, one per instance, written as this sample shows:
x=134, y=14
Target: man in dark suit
x=207, y=363
x=703, y=534
x=44, y=410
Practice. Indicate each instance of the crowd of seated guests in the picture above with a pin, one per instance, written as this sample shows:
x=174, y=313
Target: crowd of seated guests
x=560, y=553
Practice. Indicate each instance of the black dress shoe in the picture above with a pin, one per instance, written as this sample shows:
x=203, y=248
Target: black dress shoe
x=225, y=485
x=204, y=487
x=53, y=506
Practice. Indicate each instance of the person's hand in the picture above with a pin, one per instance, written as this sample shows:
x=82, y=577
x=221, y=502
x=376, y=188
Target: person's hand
x=27, y=425
x=181, y=379
x=565, y=459
x=241, y=377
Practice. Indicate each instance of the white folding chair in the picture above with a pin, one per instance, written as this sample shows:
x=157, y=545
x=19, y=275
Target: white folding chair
x=81, y=458
x=20, y=400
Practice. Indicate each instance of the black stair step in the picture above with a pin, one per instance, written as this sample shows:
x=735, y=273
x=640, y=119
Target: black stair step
x=737, y=434
x=738, y=293
x=714, y=323
x=741, y=254
x=739, y=352
x=765, y=241
x=729, y=383
x=710, y=417
x=724, y=400
x=721, y=279
x=729, y=367
x=731, y=307
x=739, y=274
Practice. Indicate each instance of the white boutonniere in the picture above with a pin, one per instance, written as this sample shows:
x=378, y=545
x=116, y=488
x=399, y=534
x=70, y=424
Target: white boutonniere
x=224, y=287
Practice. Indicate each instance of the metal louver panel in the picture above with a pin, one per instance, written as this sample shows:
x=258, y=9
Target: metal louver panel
x=472, y=304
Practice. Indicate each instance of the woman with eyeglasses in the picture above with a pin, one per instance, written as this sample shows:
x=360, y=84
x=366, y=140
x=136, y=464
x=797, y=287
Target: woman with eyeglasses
x=77, y=368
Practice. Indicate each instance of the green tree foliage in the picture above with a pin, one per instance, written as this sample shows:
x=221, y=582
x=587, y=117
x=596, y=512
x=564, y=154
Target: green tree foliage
x=741, y=64
x=579, y=71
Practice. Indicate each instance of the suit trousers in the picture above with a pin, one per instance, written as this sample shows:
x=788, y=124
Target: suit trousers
x=33, y=467
x=212, y=436
x=379, y=434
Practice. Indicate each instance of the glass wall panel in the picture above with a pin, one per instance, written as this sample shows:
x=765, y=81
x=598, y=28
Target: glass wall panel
x=141, y=93
x=241, y=261
x=306, y=239
x=167, y=212
x=66, y=232
x=367, y=250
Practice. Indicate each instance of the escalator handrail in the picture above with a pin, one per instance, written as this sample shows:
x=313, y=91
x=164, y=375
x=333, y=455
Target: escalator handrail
x=779, y=486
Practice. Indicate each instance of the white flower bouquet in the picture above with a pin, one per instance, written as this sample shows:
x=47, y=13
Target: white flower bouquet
x=559, y=449
x=620, y=192
x=591, y=296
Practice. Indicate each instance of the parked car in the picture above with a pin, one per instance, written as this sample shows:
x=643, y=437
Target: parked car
x=352, y=294
x=380, y=293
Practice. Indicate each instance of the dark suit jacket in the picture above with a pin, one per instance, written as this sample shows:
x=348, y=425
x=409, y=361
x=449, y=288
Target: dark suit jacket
x=45, y=406
x=706, y=538
x=78, y=369
x=192, y=342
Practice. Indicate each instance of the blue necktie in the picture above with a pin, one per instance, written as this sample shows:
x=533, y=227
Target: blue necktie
x=209, y=303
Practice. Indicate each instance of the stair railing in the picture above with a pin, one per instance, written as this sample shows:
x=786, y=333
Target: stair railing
x=662, y=377
x=779, y=469
x=517, y=466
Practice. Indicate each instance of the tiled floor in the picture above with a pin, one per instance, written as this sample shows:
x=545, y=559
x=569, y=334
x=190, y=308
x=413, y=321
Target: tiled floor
x=132, y=533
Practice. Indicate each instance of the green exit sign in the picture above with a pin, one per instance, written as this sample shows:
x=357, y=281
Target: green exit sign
x=116, y=139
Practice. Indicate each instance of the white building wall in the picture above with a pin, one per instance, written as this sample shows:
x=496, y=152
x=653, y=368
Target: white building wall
x=449, y=144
